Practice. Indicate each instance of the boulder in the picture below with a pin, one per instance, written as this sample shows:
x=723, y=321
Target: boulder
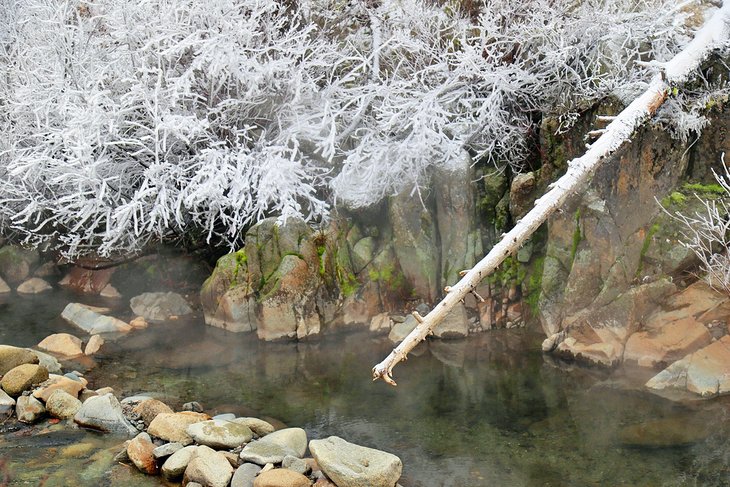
x=273, y=447
x=62, y=344
x=401, y=330
x=705, y=372
x=11, y=357
x=281, y=477
x=220, y=434
x=62, y=405
x=258, y=426
x=94, y=345
x=454, y=325
x=670, y=432
x=227, y=295
x=351, y=465
x=174, y=467
x=173, y=426
x=148, y=410
x=7, y=405
x=245, y=475
x=87, y=281
x=160, y=306
x=140, y=451
x=58, y=382
x=104, y=413
x=29, y=409
x=666, y=344
x=91, y=321
x=34, y=285
x=22, y=377
x=209, y=468
x=16, y=263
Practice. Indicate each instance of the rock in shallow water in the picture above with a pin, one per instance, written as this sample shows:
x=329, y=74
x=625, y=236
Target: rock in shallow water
x=92, y=322
x=11, y=357
x=220, y=434
x=29, y=409
x=160, y=306
x=173, y=427
x=62, y=344
x=62, y=405
x=209, y=468
x=273, y=447
x=174, y=467
x=22, y=377
x=34, y=285
x=351, y=465
x=104, y=413
x=281, y=477
x=140, y=451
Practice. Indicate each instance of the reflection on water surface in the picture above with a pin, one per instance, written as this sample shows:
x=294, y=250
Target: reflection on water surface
x=488, y=411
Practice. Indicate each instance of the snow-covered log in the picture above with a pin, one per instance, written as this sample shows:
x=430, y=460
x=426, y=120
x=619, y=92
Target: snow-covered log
x=713, y=35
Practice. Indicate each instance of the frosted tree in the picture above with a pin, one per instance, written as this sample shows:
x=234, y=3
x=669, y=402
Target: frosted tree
x=125, y=122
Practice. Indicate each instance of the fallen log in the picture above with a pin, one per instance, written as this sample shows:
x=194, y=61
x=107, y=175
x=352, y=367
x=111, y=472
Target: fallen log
x=714, y=34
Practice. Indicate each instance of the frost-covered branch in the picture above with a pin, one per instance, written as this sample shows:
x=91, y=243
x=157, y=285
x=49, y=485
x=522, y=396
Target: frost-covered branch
x=715, y=34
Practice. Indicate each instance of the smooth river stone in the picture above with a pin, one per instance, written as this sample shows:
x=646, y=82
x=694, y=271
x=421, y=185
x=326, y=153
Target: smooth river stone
x=273, y=447
x=22, y=377
x=104, y=413
x=220, y=434
x=209, y=468
x=173, y=427
x=351, y=465
x=174, y=467
x=11, y=357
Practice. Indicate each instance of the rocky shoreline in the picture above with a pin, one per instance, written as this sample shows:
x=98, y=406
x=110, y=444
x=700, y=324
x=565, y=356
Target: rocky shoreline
x=187, y=446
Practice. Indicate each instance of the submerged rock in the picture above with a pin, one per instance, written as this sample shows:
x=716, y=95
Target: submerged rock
x=666, y=432
x=351, y=465
x=91, y=321
x=104, y=413
x=4, y=288
x=160, y=306
x=705, y=372
x=34, y=285
x=454, y=325
x=62, y=344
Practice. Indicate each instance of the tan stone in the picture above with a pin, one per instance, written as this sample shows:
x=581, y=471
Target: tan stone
x=11, y=357
x=172, y=427
x=139, y=323
x=281, y=477
x=666, y=344
x=34, y=285
x=22, y=378
x=62, y=344
x=94, y=345
x=55, y=383
x=150, y=408
x=140, y=450
x=209, y=468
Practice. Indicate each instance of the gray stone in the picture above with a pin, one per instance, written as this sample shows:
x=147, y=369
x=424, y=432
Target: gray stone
x=7, y=405
x=92, y=322
x=273, y=447
x=225, y=416
x=49, y=362
x=160, y=306
x=29, y=409
x=136, y=399
x=61, y=404
x=34, y=285
x=209, y=468
x=104, y=413
x=296, y=464
x=174, y=467
x=454, y=325
x=351, y=465
x=220, y=434
x=245, y=475
x=193, y=406
x=401, y=330
x=167, y=449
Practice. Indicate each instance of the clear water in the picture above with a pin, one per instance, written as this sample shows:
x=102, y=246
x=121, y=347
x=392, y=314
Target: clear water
x=488, y=411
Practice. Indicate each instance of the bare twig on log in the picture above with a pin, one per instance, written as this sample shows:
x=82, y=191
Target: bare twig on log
x=714, y=34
